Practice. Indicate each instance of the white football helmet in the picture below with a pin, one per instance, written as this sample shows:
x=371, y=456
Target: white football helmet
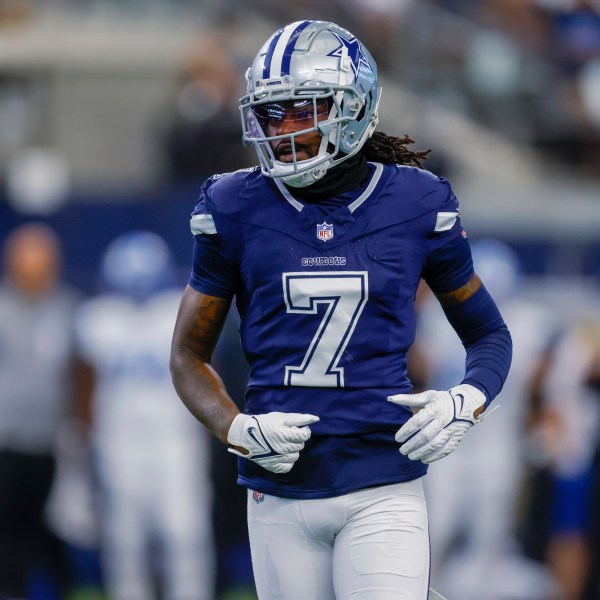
x=325, y=69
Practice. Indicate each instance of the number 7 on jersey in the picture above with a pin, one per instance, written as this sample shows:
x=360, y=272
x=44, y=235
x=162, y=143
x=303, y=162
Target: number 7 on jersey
x=344, y=294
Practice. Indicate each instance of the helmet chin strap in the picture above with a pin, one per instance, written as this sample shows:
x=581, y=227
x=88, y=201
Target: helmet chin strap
x=298, y=180
x=308, y=177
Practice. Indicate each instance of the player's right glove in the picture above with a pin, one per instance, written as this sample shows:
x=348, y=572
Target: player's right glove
x=273, y=440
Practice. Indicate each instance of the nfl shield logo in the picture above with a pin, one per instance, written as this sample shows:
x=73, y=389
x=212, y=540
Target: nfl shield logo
x=258, y=496
x=324, y=231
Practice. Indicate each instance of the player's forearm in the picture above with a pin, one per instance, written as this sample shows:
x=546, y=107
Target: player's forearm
x=198, y=327
x=476, y=319
x=203, y=392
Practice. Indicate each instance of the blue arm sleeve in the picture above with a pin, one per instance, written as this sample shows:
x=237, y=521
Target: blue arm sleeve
x=486, y=339
x=488, y=362
x=477, y=321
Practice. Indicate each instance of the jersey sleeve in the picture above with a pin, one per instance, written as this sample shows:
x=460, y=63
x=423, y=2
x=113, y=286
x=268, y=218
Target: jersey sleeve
x=213, y=273
x=449, y=264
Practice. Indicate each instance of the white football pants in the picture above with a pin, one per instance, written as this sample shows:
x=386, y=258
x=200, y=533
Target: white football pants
x=372, y=544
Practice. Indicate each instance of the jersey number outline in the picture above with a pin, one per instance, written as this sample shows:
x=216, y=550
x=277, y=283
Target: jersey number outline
x=345, y=294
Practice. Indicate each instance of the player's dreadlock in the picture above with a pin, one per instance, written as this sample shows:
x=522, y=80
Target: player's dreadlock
x=385, y=148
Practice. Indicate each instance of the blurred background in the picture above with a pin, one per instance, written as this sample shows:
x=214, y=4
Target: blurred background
x=112, y=113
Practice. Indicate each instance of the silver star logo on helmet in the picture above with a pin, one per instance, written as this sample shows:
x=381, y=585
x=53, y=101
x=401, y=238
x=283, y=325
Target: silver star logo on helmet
x=355, y=53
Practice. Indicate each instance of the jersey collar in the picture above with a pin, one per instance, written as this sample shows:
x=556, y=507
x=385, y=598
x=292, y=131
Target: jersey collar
x=352, y=206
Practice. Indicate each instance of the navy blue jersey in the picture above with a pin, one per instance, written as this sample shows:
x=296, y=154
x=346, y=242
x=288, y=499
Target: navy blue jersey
x=327, y=311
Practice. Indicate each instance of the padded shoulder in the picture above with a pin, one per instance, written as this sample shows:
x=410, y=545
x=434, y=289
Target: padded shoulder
x=425, y=189
x=223, y=192
x=412, y=194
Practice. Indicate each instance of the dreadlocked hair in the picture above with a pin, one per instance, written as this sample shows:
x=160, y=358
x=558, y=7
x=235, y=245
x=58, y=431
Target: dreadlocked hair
x=387, y=149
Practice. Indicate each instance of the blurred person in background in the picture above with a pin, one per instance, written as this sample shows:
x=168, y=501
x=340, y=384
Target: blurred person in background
x=576, y=33
x=36, y=365
x=591, y=383
x=199, y=132
x=566, y=425
x=234, y=572
x=475, y=553
x=576, y=51
x=151, y=457
x=532, y=71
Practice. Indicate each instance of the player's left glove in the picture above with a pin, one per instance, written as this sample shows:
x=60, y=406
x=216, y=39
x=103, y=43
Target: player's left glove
x=440, y=424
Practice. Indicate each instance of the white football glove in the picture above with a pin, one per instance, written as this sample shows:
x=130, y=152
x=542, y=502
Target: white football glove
x=273, y=440
x=441, y=422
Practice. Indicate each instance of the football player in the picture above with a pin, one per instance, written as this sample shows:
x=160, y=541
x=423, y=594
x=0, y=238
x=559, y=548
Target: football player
x=323, y=246
x=151, y=458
